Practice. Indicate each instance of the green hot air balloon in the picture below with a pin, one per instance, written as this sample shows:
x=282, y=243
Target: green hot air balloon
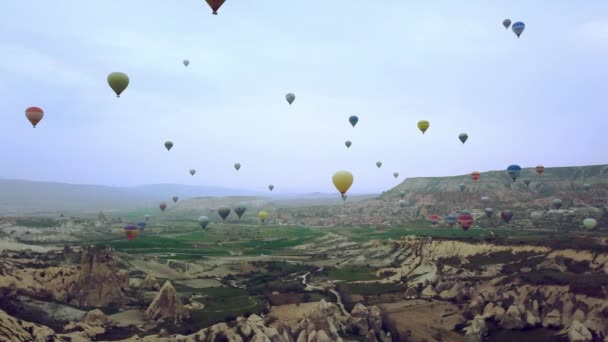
x=402, y=194
x=118, y=81
x=589, y=223
x=527, y=182
x=223, y=212
x=237, y=166
x=290, y=97
x=462, y=186
x=168, y=145
x=348, y=143
x=203, y=221
x=463, y=137
x=378, y=164
x=240, y=210
x=402, y=203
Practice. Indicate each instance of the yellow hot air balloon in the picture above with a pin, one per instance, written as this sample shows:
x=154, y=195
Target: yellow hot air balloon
x=423, y=125
x=342, y=181
x=262, y=215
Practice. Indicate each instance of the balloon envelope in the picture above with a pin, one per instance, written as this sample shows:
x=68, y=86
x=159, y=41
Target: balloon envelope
x=514, y=171
x=401, y=203
x=203, y=221
x=488, y=212
x=237, y=166
x=465, y=220
x=353, y=120
x=168, y=145
x=290, y=98
x=192, y=171
x=462, y=186
x=557, y=203
x=401, y=193
x=118, y=81
x=451, y=220
x=434, y=218
x=348, y=143
x=506, y=23
x=589, y=223
x=131, y=231
x=518, y=28
x=342, y=181
x=506, y=215
x=395, y=174
x=527, y=182
x=34, y=115
x=475, y=175
x=224, y=212
x=215, y=5
x=141, y=225
x=270, y=187
x=240, y=210
x=163, y=206
x=463, y=137
x=539, y=169
x=378, y=164
x=587, y=187
x=186, y=62
x=423, y=125
x=262, y=215
x=175, y=198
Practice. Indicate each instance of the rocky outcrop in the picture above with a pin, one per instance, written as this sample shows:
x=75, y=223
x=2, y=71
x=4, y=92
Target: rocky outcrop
x=477, y=330
x=511, y=320
x=150, y=283
x=362, y=320
x=577, y=332
x=12, y=329
x=99, y=284
x=166, y=305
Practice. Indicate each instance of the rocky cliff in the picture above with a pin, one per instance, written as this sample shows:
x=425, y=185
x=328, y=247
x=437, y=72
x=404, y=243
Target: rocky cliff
x=166, y=305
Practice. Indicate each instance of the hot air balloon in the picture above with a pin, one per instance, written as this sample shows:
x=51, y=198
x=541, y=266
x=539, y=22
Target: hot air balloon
x=557, y=203
x=348, y=143
x=342, y=181
x=589, y=223
x=587, y=187
x=186, y=62
x=215, y=5
x=146, y=217
x=118, y=81
x=378, y=164
x=527, y=182
x=163, y=206
x=475, y=175
x=131, y=231
x=270, y=187
x=434, y=218
x=192, y=172
x=353, y=120
x=262, y=215
x=514, y=171
x=240, y=210
x=463, y=137
x=141, y=225
x=203, y=221
x=506, y=215
x=223, y=212
x=451, y=220
x=535, y=215
x=423, y=125
x=465, y=220
x=34, y=115
x=485, y=199
x=539, y=169
x=237, y=166
x=168, y=145
x=395, y=174
x=518, y=28
x=402, y=203
x=488, y=212
x=506, y=23
x=290, y=98
x=402, y=194
x=462, y=186
x=175, y=198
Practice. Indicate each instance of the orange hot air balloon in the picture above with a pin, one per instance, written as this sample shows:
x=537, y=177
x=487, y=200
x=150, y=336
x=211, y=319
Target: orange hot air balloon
x=540, y=169
x=34, y=114
x=215, y=5
x=475, y=175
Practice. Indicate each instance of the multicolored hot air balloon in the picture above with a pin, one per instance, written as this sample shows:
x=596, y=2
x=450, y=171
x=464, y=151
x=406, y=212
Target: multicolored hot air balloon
x=463, y=137
x=237, y=166
x=462, y=186
x=378, y=164
x=395, y=174
x=262, y=215
x=506, y=215
x=402, y=194
x=423, y=125
x=203, y=221
x=192, y=172
x=240, y=210
x=186, y=62
x=488, y=212
x=465, y=220
x=514, y=171
x=175, y=198
x=475, y=175
x=348, y=143
x=168, y=145
x=587, y=187
x=223, y=212
x=451, y=220
x=506, y=23
x=342, y=181
x=353, y=120
x=290, y=98
x=557, y=203
x=518, y=28
x=215, y=5
x=118, y=81
x=539, y=169
x=402, y=203
x=141, y=225
x=589, y=223
x=163, y=206
x=131, y=231
x=270, y=187
x=434, y=218
x=34, y=115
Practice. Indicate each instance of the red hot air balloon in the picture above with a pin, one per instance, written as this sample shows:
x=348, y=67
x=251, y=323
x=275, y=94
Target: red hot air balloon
x=434, y=218
x=34, y=114
x=540, y=169
x=465, y=221
x=475, y=175
x=163, y=206
x=215, y=5
x=131, y=231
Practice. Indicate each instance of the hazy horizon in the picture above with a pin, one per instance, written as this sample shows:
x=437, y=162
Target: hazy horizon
x=528, y=101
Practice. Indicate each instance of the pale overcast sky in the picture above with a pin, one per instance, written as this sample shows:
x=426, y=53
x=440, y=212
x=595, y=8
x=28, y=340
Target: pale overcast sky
x=540, y=99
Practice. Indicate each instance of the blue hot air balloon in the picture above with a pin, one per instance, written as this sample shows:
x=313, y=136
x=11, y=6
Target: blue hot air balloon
x=141, y=225
x=451, y=220
x=353, y=120
x=518, y=28
x=514, y=171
